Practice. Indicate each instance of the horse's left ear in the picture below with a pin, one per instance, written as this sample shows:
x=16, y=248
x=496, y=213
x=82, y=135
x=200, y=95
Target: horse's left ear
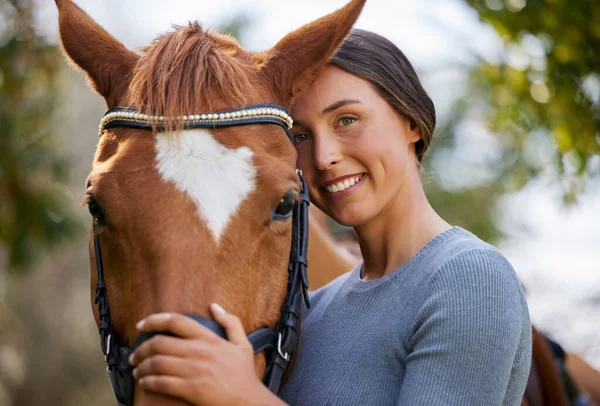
x=107, y=62
x=294, y=62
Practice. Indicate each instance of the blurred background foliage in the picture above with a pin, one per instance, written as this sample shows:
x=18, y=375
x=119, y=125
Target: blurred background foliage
x=547, y=85
x=532, y=112
x=535, y=111
x=35, y=208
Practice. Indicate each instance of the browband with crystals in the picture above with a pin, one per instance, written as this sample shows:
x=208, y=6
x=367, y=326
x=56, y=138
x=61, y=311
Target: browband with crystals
x=254, y=114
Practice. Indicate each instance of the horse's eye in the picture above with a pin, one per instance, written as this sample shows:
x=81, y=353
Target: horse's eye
x=95, y=210
x=285, y=206
x=301, y=137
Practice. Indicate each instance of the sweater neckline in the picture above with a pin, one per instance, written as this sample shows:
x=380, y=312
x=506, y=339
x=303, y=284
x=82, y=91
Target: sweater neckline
x=360, y=285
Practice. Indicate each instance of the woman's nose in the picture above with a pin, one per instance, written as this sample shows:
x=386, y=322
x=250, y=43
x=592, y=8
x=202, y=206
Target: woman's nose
x=326, y=152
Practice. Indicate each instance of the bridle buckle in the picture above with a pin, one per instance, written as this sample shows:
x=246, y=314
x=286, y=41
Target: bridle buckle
x=107, y=352
x=285, y=356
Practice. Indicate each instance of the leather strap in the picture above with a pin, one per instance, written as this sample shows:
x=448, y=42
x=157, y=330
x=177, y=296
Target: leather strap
x=159, y=126
x=550, y=385
x=288, y=327
x=263, y=339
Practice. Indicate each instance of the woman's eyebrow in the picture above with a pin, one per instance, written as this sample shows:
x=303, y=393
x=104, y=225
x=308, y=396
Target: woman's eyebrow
x=330, y=108
x=339, y=104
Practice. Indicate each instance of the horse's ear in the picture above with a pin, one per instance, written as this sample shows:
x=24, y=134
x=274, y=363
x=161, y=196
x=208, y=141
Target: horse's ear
x=294, y=62
x=107, y=62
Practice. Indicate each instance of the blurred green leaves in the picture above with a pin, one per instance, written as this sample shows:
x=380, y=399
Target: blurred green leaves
x=35, y=210
x=534, y=110
x=547, y=83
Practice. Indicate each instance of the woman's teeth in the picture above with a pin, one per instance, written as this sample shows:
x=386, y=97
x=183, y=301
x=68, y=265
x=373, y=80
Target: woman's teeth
x=343, y=185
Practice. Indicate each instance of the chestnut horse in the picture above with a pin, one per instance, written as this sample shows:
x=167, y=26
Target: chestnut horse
x=328, y=260
x=186, y=217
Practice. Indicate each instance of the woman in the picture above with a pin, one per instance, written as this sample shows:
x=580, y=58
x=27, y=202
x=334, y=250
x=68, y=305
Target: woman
x=433, y=315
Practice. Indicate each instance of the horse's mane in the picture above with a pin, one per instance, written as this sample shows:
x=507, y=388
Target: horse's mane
x=188, y=68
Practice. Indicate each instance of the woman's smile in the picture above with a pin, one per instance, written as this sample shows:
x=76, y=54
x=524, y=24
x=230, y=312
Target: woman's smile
x=342, y=187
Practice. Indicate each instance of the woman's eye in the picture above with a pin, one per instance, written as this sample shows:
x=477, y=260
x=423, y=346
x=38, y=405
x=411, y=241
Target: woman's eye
x=298, y=138
x=344, y=121
x=95, y=210
x=285, y=207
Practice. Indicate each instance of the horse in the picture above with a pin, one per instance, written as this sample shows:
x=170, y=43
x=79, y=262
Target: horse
x=584, y=376
x=327, y=259
x=547, y=384
x=193, y=190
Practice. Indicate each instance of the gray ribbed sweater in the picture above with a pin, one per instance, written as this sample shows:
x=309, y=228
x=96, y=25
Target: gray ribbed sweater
x=450, y=327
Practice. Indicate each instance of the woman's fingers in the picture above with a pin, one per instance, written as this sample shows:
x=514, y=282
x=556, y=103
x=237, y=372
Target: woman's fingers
x=186, y=328
x=167, y=365
x=177, y=324
x=167, y=385
x=233, y=326
x=165, y=345
x=197, y=366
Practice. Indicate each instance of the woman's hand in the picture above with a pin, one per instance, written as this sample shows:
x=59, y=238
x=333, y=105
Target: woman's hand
x=198, y=366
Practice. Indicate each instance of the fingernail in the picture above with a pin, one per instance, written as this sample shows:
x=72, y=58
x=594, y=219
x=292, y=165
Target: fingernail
x=218, y=308
x=142, y=381
x=131, y=359
x=134, y=372
x=140, y=324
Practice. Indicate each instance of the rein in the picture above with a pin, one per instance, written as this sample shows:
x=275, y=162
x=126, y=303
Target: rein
x=280, y=342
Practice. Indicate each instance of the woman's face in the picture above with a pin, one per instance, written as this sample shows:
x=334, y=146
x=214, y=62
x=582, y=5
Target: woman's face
x=355, y=151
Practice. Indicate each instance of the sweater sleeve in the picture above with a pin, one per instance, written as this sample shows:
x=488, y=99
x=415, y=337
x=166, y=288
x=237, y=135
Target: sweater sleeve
x=471, y=333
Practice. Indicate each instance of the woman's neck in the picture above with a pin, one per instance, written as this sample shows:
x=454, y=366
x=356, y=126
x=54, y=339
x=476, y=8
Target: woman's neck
x=402, y=228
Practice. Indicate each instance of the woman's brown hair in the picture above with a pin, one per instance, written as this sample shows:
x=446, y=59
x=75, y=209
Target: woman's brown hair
x=377, y=60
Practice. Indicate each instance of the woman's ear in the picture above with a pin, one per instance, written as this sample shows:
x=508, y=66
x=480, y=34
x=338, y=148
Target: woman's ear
x=415, y=132
x=294, y=62
x=107, y=62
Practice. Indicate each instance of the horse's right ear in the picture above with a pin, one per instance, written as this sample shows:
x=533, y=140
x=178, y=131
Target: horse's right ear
x=294, y=62
x=108, y=63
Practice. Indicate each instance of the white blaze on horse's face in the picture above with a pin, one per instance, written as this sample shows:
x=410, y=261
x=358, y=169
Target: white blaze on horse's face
x=216, y=178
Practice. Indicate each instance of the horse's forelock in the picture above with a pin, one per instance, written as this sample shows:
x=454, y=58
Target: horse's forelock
x=192, y=69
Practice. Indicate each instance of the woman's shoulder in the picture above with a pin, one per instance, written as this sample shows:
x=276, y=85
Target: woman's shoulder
x=475, y=288
x=474, y=273
x=472, y=317
x=458, y=253
x=458, y=241
x=467, y=254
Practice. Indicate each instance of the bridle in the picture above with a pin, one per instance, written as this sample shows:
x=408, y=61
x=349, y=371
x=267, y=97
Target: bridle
x=280, y=342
